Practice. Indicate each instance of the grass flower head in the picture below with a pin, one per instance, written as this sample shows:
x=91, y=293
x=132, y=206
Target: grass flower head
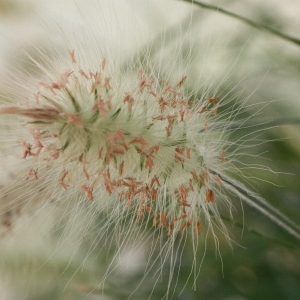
x=129, y=141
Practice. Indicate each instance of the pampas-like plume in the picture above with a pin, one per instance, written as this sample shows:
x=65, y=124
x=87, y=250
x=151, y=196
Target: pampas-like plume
x=130, y=143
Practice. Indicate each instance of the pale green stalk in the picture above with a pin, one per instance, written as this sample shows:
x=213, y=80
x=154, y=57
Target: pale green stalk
x=247, y=21
x=263, y=122
x=261, y=205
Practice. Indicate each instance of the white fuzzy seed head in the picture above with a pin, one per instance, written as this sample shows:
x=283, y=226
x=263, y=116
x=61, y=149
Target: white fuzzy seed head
x=123, y=140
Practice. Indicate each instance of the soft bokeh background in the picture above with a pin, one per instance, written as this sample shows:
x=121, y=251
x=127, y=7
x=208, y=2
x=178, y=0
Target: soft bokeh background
x=239, y=61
